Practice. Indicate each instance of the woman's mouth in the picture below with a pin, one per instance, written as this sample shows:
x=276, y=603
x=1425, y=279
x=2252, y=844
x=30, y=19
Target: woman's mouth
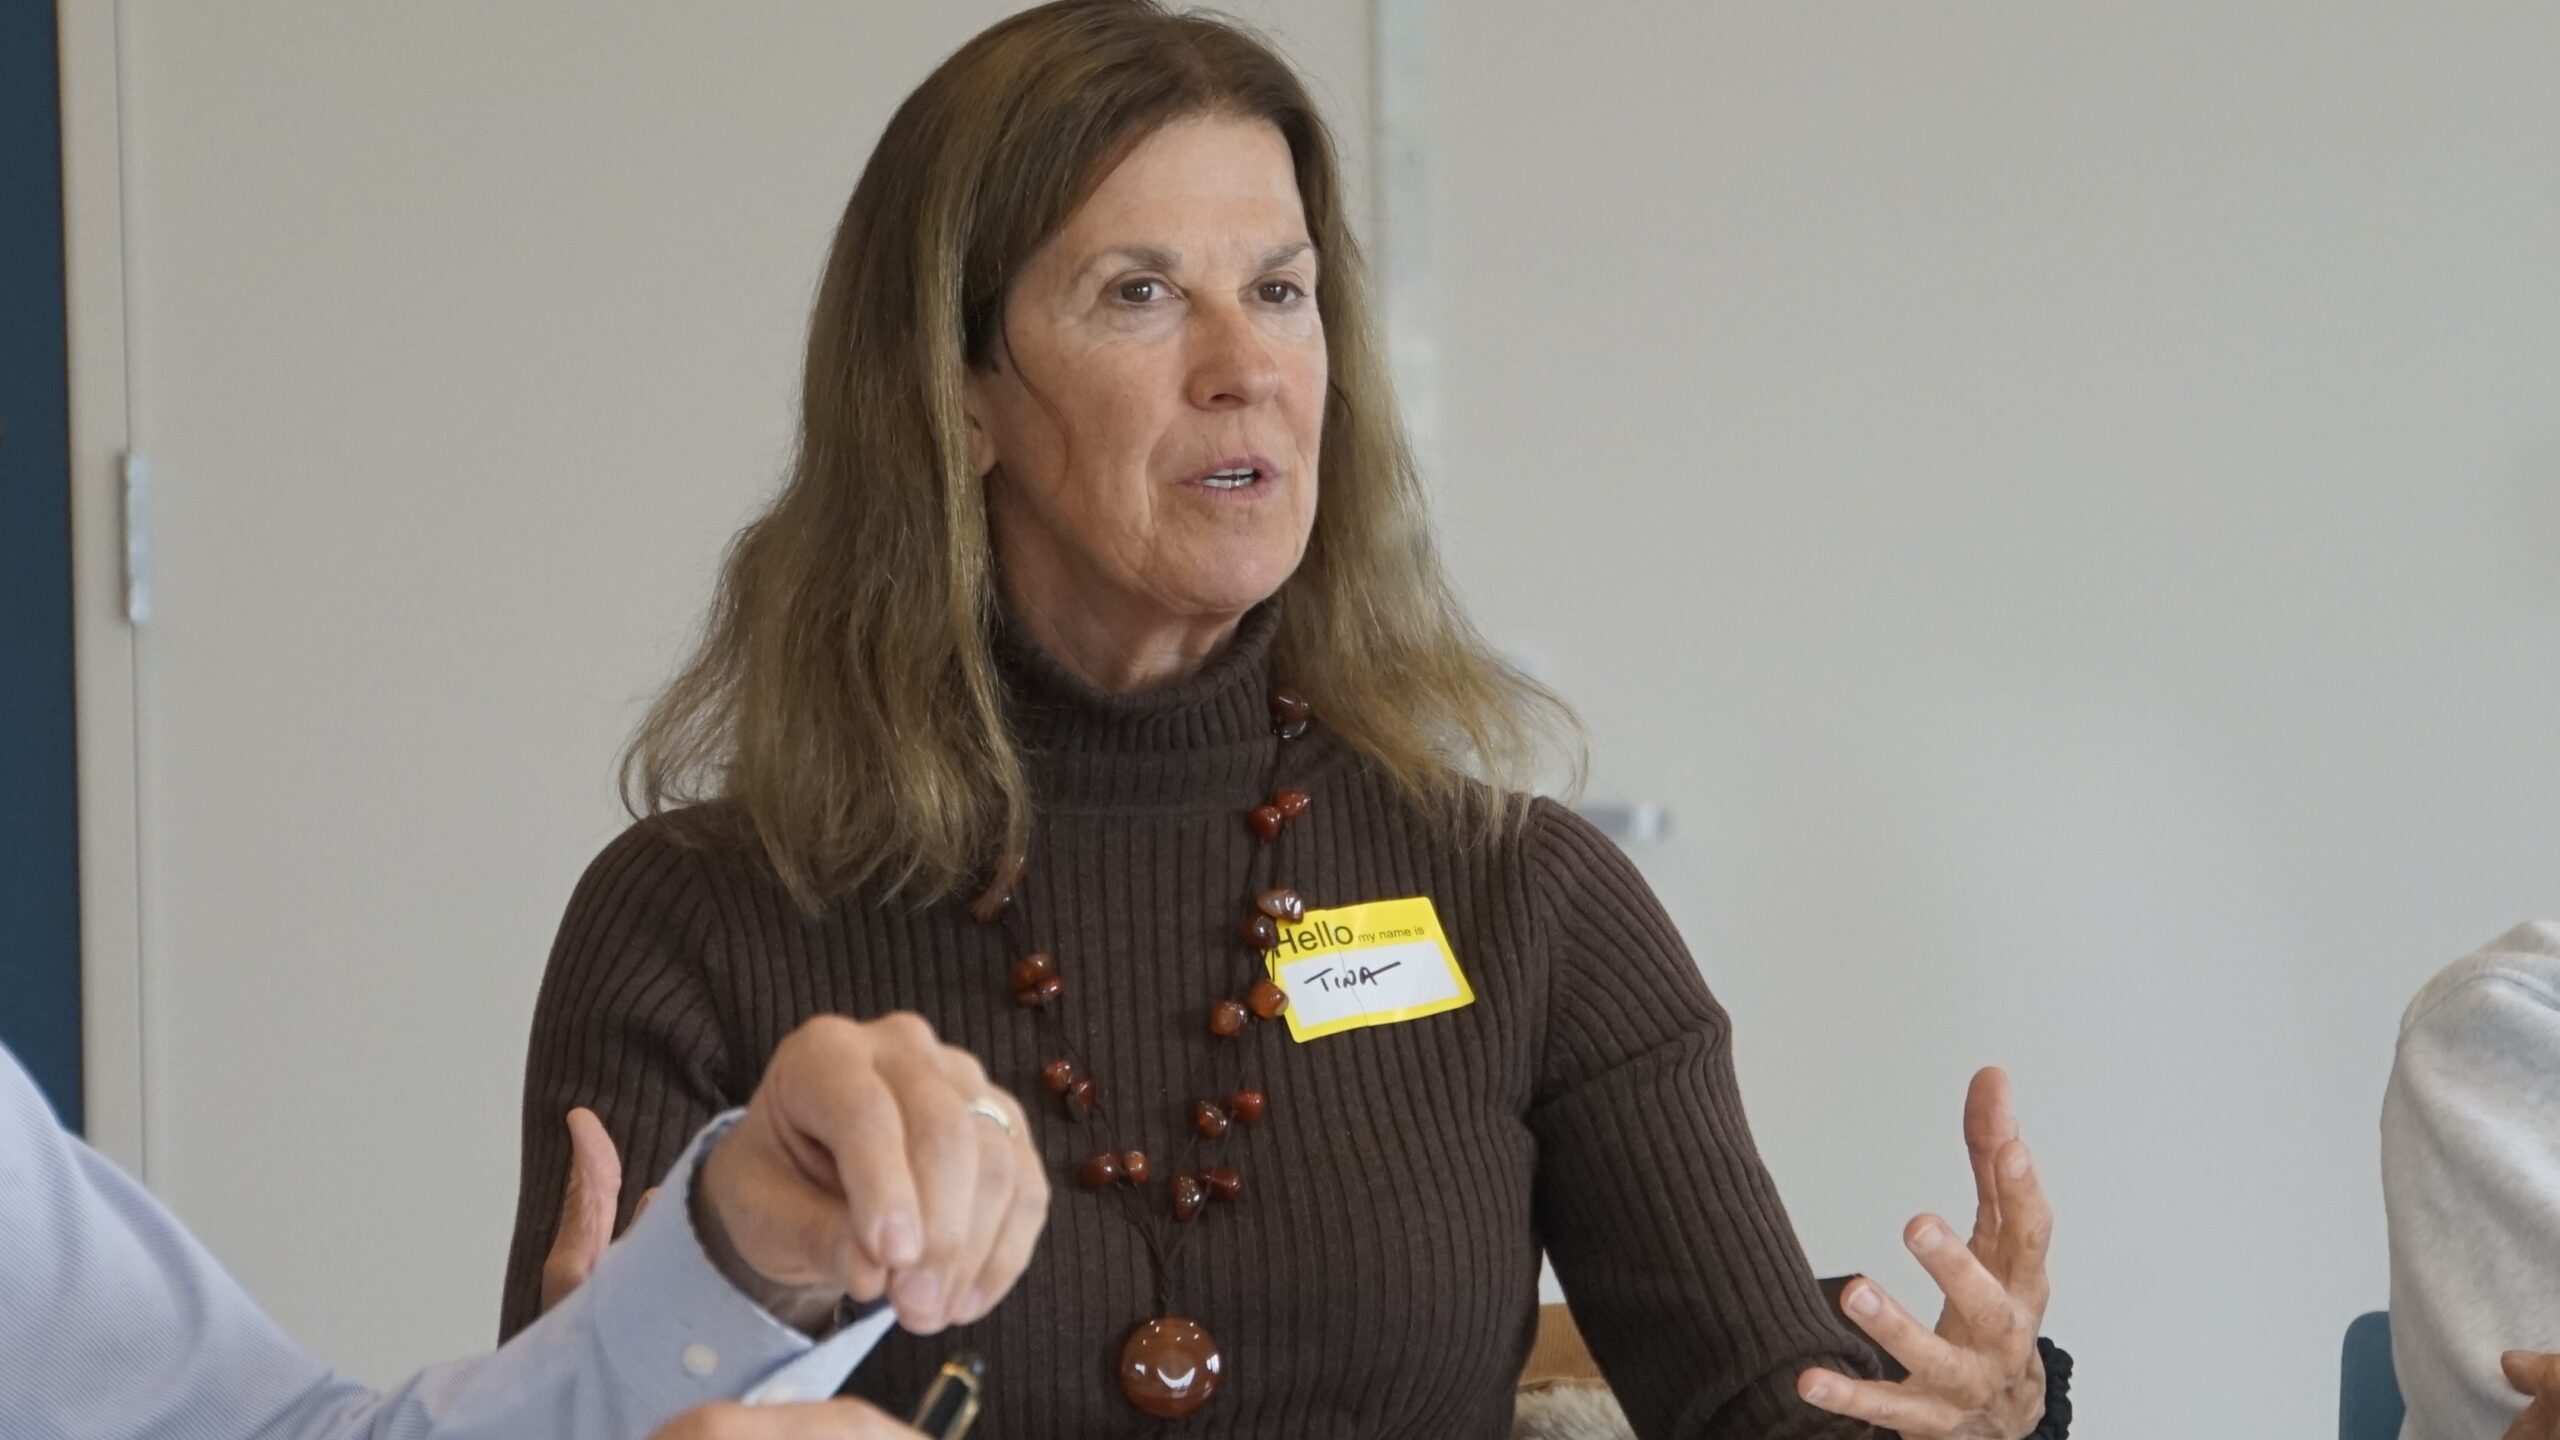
x=1236, y=477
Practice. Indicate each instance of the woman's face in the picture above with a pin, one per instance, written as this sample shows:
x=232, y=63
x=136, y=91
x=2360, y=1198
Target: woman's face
x=1149, y=419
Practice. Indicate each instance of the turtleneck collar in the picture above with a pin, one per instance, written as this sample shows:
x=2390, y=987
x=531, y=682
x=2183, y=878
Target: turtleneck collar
x=1203, y=740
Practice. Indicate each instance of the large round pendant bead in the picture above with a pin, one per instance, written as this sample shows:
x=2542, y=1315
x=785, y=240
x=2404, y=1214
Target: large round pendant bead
x=1289, y=708
x=1209, y=1120
x=1261, y=932
x=1290, y=729
x=1101, y=1172
x=1291, y=803
x=1133, y=1166
x=1031, y=969
x=1246, y=1106
x=1224, y=1182
x=1059, y=1074
x=1039, y=993
x=1268, y=1000
x=1226, y=1019
x=1265, y=820
x=1281, y=903
x=1170, y=1367
x=1188, y=1196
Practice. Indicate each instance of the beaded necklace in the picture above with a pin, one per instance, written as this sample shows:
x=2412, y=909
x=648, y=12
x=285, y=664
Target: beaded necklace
x=1170, y=1365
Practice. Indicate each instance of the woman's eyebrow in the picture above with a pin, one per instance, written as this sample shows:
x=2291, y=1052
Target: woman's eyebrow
x=1149, y=257
x=1157, y=257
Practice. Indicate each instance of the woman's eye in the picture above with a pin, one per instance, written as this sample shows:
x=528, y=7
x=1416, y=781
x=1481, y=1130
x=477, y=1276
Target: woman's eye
x=1281, y=292
x=1141, y=292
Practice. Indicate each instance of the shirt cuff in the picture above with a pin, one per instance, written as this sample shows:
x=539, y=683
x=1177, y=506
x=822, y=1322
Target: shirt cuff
x=679, y=1334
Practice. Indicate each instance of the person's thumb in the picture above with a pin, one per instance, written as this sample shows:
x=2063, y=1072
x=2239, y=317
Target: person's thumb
x=2532, y=1373
x=586, y=1207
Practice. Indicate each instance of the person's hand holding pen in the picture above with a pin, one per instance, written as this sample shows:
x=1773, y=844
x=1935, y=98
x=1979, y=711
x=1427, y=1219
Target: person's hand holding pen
x=873, y=1161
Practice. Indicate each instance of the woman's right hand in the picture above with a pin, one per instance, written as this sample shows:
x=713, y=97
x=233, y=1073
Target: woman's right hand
x=826, y=1420
x=874, y=1159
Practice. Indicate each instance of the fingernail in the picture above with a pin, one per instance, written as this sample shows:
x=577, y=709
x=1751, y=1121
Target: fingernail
x=1821, y=1391
x=901, y=1242
x=1863, y=1301
x=2019, y=1162
x=1930, y=1237
x=920, y=1289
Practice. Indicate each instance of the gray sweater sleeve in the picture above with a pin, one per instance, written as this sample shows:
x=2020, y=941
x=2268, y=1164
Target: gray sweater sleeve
x=2471, y=1183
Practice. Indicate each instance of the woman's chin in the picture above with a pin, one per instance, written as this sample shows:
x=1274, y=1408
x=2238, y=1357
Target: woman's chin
x=1223, y=595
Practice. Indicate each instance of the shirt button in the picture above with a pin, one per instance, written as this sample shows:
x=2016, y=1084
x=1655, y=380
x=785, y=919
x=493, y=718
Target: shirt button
x=778, y=1394
x=701, y=1359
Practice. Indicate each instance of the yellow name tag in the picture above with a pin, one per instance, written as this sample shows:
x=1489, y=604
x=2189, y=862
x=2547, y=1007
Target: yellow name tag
x=1372, y=964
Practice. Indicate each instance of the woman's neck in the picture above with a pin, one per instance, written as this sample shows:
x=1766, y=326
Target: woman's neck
x=1120, y=653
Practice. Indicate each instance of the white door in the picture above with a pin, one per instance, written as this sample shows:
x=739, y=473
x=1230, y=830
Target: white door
x=459, y=338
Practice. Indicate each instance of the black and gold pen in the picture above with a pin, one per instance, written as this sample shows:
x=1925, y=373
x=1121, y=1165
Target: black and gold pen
x=950, y=1404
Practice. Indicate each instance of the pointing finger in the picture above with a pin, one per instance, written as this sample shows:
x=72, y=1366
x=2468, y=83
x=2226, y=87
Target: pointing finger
x=1989, y=1123
x=1992, y=1325
x=2026, y=1229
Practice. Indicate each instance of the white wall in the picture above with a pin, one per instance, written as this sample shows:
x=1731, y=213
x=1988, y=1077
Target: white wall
x=2063, y=503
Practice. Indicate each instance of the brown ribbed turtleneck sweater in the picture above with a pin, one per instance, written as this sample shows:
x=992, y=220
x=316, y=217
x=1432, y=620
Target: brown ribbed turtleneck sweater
x=1379, y=1276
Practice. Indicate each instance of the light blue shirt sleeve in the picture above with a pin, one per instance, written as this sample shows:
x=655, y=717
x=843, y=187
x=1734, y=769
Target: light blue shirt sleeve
x=114, y=1322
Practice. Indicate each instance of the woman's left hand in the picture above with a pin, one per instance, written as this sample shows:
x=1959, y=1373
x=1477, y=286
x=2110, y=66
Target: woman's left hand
x=586, y=1207
x=1978, y=1376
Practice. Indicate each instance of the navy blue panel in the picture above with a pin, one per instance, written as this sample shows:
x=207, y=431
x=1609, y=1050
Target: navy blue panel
x=39, y=845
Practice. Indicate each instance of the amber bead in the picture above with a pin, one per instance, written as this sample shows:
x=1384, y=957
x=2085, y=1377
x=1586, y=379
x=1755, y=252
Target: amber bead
x=1170, y=1367
x=1133, y=1166
x=1282, y=903
x=1290, y=729
x=1247, y=1106
x=1208, y=1119
x=1082, y=1097
x=1058, y=1074
x=1101, y=1172
x=1268, y=1000
x=1223, y=1182
x=1036, y=995
x=1188, y=1196
x=1031, y=969
x=999, y=892
x=1265, y=820
x=1289, y=707
x=1226, y=1019
x=1260, y=932
x=1291, y=803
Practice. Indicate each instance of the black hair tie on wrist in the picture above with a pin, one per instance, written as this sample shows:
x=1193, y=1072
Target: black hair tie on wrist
x=2057, y=1392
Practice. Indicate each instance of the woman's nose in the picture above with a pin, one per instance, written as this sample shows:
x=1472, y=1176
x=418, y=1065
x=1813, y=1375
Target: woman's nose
x=1233, y=368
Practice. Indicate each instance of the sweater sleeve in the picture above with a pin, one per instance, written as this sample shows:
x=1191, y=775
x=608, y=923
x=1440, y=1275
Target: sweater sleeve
x=1677, y=1258
x=624, y=1025
x=2471, y=1187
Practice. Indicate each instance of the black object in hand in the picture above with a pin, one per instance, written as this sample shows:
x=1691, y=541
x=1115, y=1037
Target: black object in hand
x=950, y=1403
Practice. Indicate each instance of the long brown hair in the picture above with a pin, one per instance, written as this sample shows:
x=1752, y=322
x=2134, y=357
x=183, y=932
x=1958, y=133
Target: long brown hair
x=843, y=699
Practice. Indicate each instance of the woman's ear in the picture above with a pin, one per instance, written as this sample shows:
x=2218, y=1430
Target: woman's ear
x=975, y=408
